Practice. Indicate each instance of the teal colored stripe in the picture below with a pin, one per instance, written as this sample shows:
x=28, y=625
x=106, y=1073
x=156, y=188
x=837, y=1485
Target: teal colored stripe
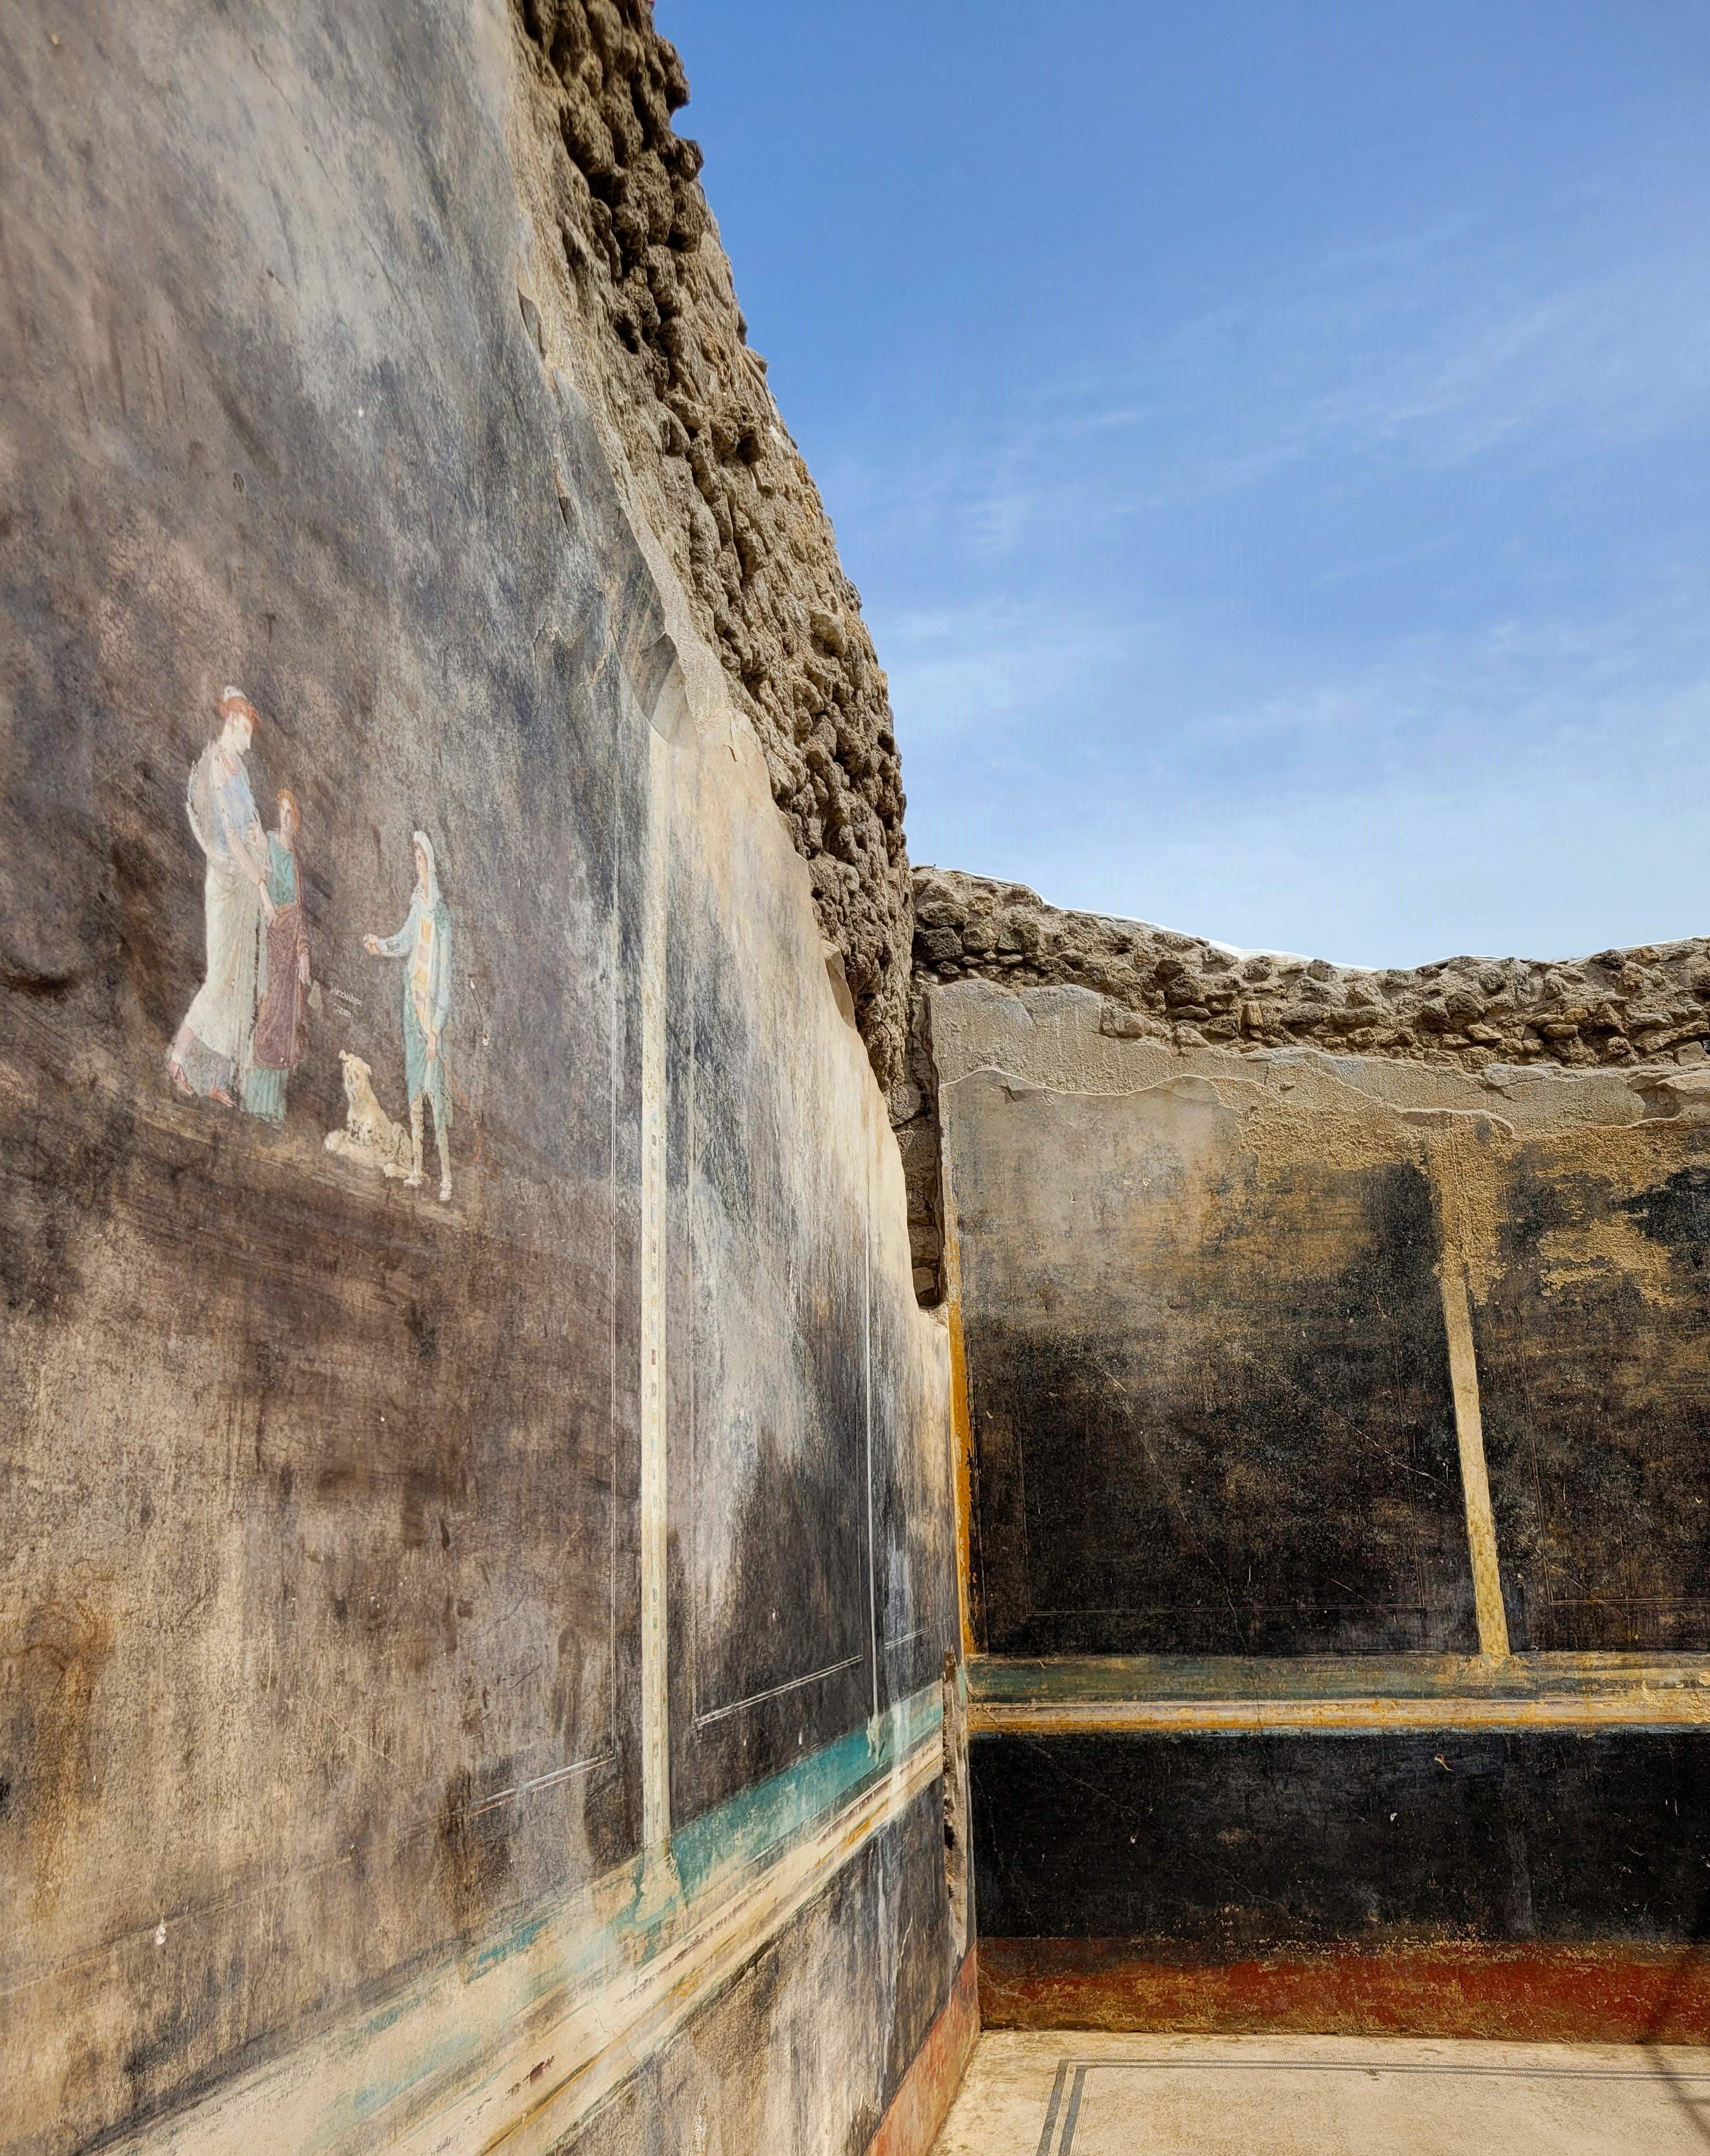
x=743, y=1832
x=741, y=1829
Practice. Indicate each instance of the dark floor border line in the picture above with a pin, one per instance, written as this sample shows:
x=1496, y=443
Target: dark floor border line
x=1591, y=1994
x=1048, y=2133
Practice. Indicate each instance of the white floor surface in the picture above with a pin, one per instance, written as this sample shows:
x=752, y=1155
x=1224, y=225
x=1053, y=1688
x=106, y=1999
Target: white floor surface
x=1084, y=2095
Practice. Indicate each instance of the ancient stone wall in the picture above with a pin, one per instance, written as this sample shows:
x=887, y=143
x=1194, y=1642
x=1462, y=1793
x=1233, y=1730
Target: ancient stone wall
x=630, y=258
x=1470, y=1014
x=1633, y=1010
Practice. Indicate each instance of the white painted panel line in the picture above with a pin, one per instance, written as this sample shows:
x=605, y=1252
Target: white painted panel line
x=656, y=1691
x=867, y=1396
x=777, y=1692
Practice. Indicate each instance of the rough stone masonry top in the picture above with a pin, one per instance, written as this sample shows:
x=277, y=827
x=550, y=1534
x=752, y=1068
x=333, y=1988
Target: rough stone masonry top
x=674, y=380
x=1616, y=1008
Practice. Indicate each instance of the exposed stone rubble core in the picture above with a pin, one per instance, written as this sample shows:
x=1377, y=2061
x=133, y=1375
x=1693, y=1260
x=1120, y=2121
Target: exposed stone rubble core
x=914, y=1119
x=1641, y=1008
x=1618, y=1007
x=731, y=499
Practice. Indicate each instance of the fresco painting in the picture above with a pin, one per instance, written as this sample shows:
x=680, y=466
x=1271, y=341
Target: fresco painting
x=210, y=1054
x=285, y=985
x=247, y=1028
x=424, y=944
x=328, y=844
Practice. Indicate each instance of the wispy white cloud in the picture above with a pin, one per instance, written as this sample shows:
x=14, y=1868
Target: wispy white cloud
x=1604, y=360
x=1441, y=346
x=1448, y=725
x=1529, y=786
x=953, y=671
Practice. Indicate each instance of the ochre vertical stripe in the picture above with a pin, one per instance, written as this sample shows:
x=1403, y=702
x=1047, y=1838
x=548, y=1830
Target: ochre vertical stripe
x=1475, y=1482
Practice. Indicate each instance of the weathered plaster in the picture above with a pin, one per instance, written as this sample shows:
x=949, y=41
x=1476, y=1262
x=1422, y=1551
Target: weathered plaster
x=1339, y=1528
x=357, y=1537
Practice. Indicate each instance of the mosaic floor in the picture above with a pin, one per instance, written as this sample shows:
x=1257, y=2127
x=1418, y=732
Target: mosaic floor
x=1069, y=2094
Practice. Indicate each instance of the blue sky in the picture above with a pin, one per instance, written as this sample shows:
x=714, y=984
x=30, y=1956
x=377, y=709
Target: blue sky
x=1272, y=441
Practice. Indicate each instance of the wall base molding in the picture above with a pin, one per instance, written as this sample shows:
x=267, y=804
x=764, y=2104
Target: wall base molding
x=920, y=2105
x=1598, y=1993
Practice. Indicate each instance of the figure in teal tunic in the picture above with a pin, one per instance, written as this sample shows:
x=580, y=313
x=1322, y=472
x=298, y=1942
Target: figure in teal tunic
x=424, y=944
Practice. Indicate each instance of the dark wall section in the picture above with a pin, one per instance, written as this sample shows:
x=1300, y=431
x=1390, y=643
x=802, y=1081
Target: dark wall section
x=806, y=2049
x=321, y=1455
x=1594, y=1354
x=805, y=1596
x=319, y=1488
x=1217, y=1846
x=1211, y=1318
x=1210, y=1389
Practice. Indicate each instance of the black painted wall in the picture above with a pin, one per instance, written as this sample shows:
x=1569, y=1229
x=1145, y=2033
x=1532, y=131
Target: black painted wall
x=1593, y=1353
x=1209, y=1391
x=1212, y=1416
x=1215, y=1846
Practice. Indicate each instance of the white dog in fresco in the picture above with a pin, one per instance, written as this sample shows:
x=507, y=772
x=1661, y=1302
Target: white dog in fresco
x=370, y=1138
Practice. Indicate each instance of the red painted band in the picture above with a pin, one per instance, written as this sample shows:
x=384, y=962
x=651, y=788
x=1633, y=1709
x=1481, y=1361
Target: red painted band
x=920, y=2105
x=1592, y=1994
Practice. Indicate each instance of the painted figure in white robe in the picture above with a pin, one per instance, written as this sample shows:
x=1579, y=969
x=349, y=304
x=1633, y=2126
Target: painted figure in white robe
x=424, y=944
x=211, y=1052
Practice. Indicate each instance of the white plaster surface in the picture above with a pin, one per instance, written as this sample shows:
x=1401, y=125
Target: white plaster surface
x=1325, y=2096
x=1050, y=1038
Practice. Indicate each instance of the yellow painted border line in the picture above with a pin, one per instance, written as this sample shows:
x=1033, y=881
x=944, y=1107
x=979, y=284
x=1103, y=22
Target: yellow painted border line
x=1475, y=1479
x=1631, y=1710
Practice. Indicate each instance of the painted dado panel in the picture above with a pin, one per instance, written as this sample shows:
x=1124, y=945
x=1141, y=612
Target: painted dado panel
x=1215, y=1848
x=809, y=1592
x=1593, y=1353
x=1208, y=1374
x=809, y=2044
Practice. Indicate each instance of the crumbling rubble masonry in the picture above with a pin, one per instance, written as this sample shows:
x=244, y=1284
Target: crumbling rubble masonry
x=1632, y=1010
x=1617, y=1008
x=629, y=290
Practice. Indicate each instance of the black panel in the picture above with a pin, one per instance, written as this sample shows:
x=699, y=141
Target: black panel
x=771, y=1606
x=1217, y=1845
x=1254, y=1454
x=915, y=1612
x=1594, y=1351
